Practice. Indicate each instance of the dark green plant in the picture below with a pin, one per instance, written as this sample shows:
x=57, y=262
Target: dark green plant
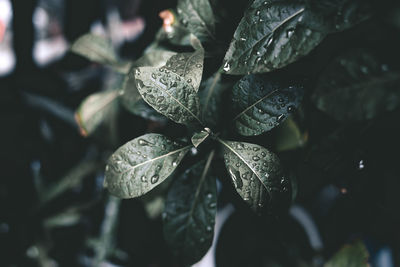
x=187, y=75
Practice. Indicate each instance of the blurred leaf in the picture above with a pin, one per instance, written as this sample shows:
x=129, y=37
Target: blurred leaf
x=354, y=255
x=198, y=17
x=190, y=212
x=289, y=136
x=94, y=110
x=100, y=50
x=255, y=172
x=263, y=104
x=168, y=94
x=271, y=35
x=357, y=85
x=199, y=137
x=141, y=164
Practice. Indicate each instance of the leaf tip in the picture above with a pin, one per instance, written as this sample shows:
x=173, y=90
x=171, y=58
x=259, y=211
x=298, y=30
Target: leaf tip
x=82, y=129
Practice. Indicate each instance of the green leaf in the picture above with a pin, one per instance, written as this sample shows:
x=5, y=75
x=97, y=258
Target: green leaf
x=190, y=211
x=141, y=164
x=354, y=255
x=357, y=85
x=255, y=171
x=289, y=136
x=211, y=99
x=130, y=96
x=168, y=94
x=197, y=16
x=340, y=15
x=99, y=49
x=189, y=66
x=263, y=104
x=271, y=35
x=199, y=137
x=94, y=110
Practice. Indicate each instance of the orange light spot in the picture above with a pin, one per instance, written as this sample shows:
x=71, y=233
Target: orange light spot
x=343, y=190
x=2, y=30
x=168, y=19
x=82, y=130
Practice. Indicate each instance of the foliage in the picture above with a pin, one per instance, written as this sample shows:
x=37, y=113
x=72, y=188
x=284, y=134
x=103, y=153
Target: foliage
x=228, y=92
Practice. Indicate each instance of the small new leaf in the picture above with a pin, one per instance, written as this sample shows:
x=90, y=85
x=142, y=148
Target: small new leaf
x=354, y=255
x=141, y=164
x=255, y=172
x=357, y=86
x=197, y=16
x=271, y=35
x=199, y=137
x=189, y=214
x=94, y=110
x=263, y=104
x=99, y=49
x=168, y=94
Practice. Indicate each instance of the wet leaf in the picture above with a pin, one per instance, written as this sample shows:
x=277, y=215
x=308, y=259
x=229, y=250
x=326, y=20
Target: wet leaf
x=99, y=49
x=255, y=171
x=197, y=16
x=263, y=104
x=357, y=85
x=199, y=137
x=188, y=65
x=168, y=94
x=354, y=255
x=141, y=164
x=94, y=110
x=271, y=35
x=190, y=211
x=130, y=96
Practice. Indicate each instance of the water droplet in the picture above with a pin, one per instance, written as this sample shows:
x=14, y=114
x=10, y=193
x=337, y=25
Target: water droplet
x=199, y=65
x=256, y=158
x=290, y=109
x=308, y=32
x=260, y=111
x=143, y=142
x=209, y=228
x=258, y=59
x=361, y=165
x=289, y=33
x=143, y=179
x=227, y=67
x=209, y=196
x=263, y=154
x=154, y=179
x=256, y=148
x=189, y=80
x=193, y=151
x=242, y=39
x=282, y=180
x=260, y=20
x=174, y=164
x=238, y=164
x=280, y=99
x=280, y=118
x=153, y=75
x=258, y=123
x=269, y=41
x=158, y=168
x=107, y=168
x=213, y=205
x=257, y=12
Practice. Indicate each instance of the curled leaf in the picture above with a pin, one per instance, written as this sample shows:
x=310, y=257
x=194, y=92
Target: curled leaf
x=141, y=164
x=199, y=137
